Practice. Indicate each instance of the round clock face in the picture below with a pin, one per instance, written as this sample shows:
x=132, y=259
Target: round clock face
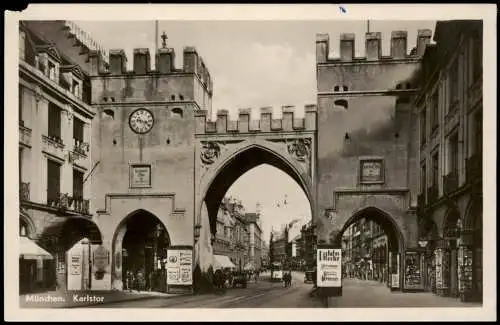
x=141, y=121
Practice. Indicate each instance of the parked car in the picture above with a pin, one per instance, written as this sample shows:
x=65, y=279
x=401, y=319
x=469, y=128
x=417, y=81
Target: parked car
x=309, y=277
x=239, y=278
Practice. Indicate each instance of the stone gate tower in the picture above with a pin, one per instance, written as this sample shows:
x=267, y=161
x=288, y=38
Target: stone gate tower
x=367, y=137
x=143, y=144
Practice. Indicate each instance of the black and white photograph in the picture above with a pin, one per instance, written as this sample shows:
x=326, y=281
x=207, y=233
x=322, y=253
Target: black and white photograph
x=215, y=163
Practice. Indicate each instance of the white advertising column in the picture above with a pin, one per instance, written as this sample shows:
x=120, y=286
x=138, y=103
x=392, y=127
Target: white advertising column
x=329, y=270
x=76, y=265
x=179, y=267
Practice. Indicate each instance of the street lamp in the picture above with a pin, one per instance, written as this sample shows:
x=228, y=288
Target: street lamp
x=157, y=233
x=423, y=242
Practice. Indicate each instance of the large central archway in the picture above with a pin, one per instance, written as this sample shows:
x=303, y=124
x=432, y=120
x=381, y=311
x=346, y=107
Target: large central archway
x=141, y=240
x=222, y=163
x=237, y=165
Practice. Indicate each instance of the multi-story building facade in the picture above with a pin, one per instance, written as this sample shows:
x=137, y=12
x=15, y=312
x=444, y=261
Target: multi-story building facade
x=364, y=244
x=309, y=241
x=265, y=258
x=379, y=253
x=223, y=243
x=255, y=239
x=134, y=122
x=55, y=160
x=279, y=246
x=241, y=237
x=450, y=155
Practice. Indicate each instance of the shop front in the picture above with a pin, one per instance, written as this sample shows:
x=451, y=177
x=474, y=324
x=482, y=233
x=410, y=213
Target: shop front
x=36, y=267
x=470, y=265
x=414, y=270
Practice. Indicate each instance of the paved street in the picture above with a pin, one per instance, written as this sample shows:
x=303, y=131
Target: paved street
x=264, y=294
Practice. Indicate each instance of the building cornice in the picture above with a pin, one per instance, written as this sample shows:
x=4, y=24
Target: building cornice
x=50, y=86
x=363, y=61
x=388, y=92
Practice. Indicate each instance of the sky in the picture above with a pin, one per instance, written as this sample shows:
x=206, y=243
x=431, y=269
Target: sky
x=254, y=64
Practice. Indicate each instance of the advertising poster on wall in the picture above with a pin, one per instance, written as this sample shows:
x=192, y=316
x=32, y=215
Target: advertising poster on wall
x=413, y=271
x=186, y=267
x=329, y=266
x=173, y=267
x=394, y=270
x=439, y=268
x=179, y=266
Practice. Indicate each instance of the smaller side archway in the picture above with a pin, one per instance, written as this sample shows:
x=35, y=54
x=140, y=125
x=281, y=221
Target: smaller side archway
x=65, y=233
x=384, y=220
x=61, y=235
x=26, y=226
x=139, y=247
x=377, y=256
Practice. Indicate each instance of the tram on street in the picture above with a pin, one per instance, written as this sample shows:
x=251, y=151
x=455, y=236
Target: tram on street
x=276, y=271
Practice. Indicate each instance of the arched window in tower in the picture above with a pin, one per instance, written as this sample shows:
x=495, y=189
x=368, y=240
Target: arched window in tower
x=109, y=113
x=336, y=88
x=341, y=103
x=345, y=88
x=177, y=112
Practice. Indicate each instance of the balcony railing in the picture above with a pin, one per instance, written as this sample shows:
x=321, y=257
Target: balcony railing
x=474, y=168
x=24, y=135
x=65, y=202
x=432, y=194
x=24, y=191
x=80, y=147
x=450, y=182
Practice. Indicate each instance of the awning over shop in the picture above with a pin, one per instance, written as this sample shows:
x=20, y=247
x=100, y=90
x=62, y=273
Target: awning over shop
x=222, y=262
x=249, y=267
x=31, y=251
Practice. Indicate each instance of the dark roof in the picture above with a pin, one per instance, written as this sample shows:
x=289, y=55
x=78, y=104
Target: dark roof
x=445, y=29
x=41, y=44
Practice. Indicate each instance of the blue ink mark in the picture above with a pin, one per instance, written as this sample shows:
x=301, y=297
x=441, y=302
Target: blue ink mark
x=342, y=9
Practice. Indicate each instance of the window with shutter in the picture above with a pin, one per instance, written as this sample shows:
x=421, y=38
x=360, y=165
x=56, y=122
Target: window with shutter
x=77, y=184
x=54, y=121
x=53, y=180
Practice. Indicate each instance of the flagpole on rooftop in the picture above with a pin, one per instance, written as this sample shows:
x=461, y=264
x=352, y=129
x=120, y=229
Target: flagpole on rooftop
x=156, y=43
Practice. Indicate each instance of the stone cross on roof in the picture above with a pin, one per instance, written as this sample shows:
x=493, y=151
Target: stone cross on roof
x=164, y=40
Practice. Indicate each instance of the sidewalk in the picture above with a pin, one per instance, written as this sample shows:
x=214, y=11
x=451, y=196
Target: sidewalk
x=369, y=294
x=76, y=299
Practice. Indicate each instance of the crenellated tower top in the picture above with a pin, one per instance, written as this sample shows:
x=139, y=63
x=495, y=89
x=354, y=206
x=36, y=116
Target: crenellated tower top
x=266, y=123
x=165, y=64
x=373, y=46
